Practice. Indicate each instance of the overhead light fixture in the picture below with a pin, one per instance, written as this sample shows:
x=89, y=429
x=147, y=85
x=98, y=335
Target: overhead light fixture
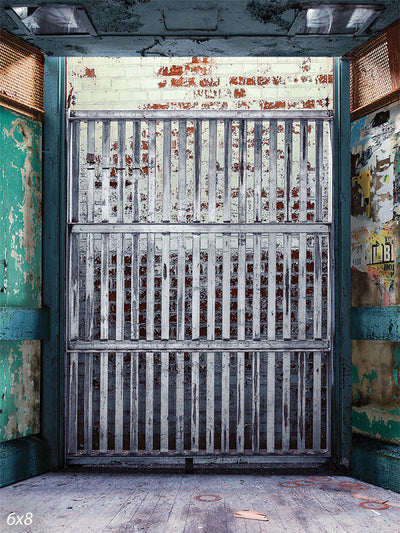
x=334, y=19
x=53, y=19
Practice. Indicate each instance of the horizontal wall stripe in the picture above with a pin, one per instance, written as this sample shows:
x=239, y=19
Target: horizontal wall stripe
x=375, y=323
x=23, y=458
x=24, y=324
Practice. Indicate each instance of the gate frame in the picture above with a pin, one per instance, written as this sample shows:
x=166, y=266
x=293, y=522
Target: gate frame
x=54, y=269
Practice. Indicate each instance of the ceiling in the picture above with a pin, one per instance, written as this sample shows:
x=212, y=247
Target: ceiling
x=197, y=27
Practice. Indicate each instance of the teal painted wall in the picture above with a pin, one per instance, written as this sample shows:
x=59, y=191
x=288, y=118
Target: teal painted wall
x=20, y=269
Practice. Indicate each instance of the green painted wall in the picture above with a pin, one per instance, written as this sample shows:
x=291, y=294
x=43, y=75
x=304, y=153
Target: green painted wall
x=20, y=269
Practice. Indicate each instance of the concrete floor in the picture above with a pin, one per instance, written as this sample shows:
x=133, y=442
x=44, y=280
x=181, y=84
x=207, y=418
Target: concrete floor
x=152, y=502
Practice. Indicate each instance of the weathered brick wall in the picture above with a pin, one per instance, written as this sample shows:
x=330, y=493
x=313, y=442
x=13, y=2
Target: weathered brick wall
x=201, y=83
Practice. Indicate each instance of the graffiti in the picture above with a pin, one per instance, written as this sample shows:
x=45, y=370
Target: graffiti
x=375, y=166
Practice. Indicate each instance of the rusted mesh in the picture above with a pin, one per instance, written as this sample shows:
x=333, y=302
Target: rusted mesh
x=21, y=73
x=371, y=70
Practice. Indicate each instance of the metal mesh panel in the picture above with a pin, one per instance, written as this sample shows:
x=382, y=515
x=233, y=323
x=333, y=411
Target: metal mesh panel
x=373, y=69
x=21, y=75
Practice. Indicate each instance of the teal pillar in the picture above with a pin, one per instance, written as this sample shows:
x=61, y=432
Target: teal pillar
x=54, y=208
x=341, y=390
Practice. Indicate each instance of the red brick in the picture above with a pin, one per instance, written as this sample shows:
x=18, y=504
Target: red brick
x=174, y=70
x=239, y=93
x=209, y=82
x=309, y=104
x=262, y=80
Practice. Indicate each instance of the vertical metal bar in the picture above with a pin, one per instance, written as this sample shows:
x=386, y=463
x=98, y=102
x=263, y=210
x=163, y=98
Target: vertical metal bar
x=240, y=403
x=317, y=287
x=182, y=172
x=105, y=209
x=212, y=182
x=241, y=284
x=90, y=159
x=196, y=237
x=301, y=402
x=150, y=285
x=303, y=171
x=164, y=406
x=287, y=263
x=119, y=302
x=330, y=258
x=88, y=402
x=181, y=237
x=288, y=168
x=73, y=404
x=317, y=402
x=195, y=406
x=180, y=406
x=134, y=388
x=195, y=403
x=225, y=393
x=119, y=401
x=319, y=152
x=301, y=315
x=257, y=237
x=121, y=172
x=257, y=284
x=242, y=170
x=166, y=170
x=104, y=303
x=286, y=402
x=74, y=287
x=256, y=403
x=105, y=179
x=226, y=288
x=136, y=132
x=196, y=287
x=135, y=237
x=271, y=312
x=273, y=148
x=149, y=400
x=197, y=170
x=135, y=286
x=180, y=361
x=226, y=260
x=89, y=286
x=103, y=401
x=330, y=173
x=271, y=286
x=165, y=286
x=271, y=402
x=75, y=171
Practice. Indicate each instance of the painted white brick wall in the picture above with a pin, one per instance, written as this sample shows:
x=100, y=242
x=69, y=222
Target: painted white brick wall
x=201, y=83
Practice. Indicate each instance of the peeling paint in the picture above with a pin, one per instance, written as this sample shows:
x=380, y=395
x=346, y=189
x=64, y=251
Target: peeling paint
x=21, y=249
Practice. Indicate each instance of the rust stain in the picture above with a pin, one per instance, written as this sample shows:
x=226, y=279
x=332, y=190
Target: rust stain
x=89, y=73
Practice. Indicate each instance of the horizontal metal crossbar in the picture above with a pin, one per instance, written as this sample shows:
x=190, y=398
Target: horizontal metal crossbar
x=205, y=459
x=200, y=345
x=166, y=228
x=190, y=114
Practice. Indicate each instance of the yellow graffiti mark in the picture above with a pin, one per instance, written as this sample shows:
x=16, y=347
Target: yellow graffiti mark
x=364, y=181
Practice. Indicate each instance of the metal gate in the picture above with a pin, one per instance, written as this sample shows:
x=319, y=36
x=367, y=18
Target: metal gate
x=199, y=286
